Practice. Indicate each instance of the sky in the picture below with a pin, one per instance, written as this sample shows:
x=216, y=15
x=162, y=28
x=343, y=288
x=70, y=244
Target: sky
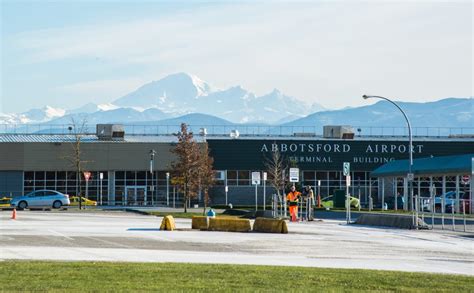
x=66, y=54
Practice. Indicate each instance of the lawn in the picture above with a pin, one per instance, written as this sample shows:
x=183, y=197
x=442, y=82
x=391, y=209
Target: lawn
x=107, y=276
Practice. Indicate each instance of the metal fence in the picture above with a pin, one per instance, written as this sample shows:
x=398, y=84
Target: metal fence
x=243, y=130
x=446, y=214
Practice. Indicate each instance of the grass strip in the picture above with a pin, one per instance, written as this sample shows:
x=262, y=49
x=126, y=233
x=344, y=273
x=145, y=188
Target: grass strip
x=53, y=276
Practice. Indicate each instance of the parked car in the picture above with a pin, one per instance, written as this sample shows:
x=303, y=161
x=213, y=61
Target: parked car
x=41, y=199
x=328, y=202
x=449, y=201
x=85, y=201
x=5, y=202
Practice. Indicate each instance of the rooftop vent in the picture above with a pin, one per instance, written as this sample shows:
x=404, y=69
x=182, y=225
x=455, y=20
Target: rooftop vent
x=338, y=131
x=110, y=132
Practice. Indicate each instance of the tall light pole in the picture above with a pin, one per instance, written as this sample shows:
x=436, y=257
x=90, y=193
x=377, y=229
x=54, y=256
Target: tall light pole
x=152, y=162
x=410, y=153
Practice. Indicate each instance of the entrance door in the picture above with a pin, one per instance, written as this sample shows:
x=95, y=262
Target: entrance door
x=135, y=195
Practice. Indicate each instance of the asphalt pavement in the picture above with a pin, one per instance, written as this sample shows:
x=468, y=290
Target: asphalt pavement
x=120, y=236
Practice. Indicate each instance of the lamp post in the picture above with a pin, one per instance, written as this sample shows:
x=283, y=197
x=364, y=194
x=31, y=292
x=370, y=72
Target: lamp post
x=410, y=154
x=167, y=189
x=152, y=162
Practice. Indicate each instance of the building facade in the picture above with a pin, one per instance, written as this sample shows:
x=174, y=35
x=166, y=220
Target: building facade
x=31, y=162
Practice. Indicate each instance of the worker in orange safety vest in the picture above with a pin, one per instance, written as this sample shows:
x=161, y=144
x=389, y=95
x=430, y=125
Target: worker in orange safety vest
x=292, y=198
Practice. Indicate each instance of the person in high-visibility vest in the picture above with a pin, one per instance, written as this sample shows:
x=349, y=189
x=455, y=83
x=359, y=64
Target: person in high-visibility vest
x=292, y=198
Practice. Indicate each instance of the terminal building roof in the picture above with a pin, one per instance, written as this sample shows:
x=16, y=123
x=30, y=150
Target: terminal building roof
x=460, y=164
x=92, y=138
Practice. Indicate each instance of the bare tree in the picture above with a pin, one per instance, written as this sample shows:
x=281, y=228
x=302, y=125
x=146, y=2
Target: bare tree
x=206, y=172
x=186, y=169
x=77, y=129
x=276, y=167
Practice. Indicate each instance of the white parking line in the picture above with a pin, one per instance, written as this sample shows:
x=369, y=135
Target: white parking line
x=60, y=234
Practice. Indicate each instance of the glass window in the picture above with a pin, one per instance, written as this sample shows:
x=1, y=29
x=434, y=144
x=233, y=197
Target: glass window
x=50, y=175
x=119, y=175
x=39, y=175
x=244, y=177
x=39, y=193
x=30, y=176
x=308, y=175
x=130, y=178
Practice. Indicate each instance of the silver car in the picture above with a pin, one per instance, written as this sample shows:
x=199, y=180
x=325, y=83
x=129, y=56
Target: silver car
x=41, y=198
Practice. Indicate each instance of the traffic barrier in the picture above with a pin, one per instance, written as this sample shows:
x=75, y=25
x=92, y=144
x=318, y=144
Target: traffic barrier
x=229, y=225
x=200, y=222
x=14, y=214
x=168, y=224
x=395, y=221
x=270, y=226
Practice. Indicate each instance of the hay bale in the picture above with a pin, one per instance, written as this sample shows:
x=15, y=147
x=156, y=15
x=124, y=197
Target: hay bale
x=168, y=223
x=229, y=225
x=200, y=222
x=266, y=225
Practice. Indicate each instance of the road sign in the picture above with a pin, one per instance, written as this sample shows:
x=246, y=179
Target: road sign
x=256, y=178
x=348, y=180
x=264, y=176
x=346, y=168
x=294, y=175
x=87, y=175
x=410, y=176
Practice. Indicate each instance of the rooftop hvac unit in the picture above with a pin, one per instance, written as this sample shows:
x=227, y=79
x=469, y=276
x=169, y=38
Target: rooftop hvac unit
x=338, y=131
x=202, y=131
x=234, y=133
x=110, y=131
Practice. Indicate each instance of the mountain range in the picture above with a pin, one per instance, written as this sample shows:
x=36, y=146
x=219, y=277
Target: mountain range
x=185, y=98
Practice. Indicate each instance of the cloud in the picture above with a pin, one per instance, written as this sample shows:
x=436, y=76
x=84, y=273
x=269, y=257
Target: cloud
x=326, y=52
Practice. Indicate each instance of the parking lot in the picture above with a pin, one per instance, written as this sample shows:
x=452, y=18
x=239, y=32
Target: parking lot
x=120, y=236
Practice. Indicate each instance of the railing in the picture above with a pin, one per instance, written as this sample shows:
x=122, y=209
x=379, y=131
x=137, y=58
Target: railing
x=244, y=130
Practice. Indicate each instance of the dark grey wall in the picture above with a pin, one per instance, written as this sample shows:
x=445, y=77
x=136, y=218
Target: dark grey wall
x=11, y=183
x=99, y=156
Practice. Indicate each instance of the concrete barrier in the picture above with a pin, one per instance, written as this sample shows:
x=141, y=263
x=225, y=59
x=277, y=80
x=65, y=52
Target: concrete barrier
x=229, y=225
x=385, y=220
x=168, y=223
x=200, y=222
x=270, y=226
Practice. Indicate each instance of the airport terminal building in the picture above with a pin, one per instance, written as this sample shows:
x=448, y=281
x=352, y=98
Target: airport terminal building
x=32, y=161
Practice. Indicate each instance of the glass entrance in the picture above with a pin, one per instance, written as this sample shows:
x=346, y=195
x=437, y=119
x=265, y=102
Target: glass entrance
x=135, y=195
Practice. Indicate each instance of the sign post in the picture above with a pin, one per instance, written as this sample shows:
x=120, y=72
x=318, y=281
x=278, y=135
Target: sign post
x=167, y=189
x=346, y=170
x=101, y=177
x=264, y=191
x=256, y=182
x=87, y=176
x=319, y=193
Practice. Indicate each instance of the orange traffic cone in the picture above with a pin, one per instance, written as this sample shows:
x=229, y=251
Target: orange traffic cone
x=14, y=214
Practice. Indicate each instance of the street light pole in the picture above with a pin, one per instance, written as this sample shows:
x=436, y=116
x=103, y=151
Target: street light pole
x=152, y=162
x=410, y=153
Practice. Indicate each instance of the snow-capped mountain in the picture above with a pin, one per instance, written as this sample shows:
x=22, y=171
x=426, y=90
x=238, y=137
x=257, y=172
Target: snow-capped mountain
x=183, y=93
x=176, y=93
x=445, y=113
x=44, y=114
